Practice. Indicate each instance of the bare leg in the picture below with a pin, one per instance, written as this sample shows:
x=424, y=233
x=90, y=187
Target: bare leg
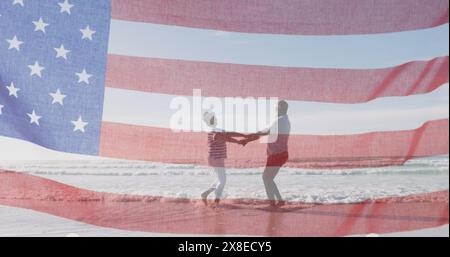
x=271, y=187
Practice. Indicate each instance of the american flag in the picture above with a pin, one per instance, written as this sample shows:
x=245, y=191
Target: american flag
x=81, y=76
x=52, y=83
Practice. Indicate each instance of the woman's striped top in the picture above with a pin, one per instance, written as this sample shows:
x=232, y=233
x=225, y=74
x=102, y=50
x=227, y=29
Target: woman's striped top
x=217, y=147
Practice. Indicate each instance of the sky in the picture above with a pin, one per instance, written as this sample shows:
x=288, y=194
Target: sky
x=347, y=51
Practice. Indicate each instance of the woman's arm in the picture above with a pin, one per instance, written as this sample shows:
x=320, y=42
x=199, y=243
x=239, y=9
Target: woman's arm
x=234, y=134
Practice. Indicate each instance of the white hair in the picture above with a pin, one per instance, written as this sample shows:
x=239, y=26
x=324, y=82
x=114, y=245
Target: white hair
x=208, y=116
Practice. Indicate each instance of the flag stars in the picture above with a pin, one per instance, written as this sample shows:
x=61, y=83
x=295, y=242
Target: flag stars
x=14, y=43
x=79, y=125
x=87, y=33
x=83, y=76
x=19, y=2
x=13, y=90
x=65, y=6
x=34, y=118
x=36, y=69
x=40, y=25
x=61, y=52
x=57, y=97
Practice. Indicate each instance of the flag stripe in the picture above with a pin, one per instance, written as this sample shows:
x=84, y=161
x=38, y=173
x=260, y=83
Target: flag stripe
x=180, y=77
x=320, y=17
x=362, y=150
x=183, y=216
x=47, y=225
x=387, y=50
x=19, y=222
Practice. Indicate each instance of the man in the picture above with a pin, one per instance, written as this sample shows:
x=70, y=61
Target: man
x=277, y=151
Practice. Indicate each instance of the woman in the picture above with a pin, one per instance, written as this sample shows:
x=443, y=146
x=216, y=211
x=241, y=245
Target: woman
x=217, y=154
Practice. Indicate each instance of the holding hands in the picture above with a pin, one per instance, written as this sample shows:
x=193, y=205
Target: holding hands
x=248, y=138
x=231, y=137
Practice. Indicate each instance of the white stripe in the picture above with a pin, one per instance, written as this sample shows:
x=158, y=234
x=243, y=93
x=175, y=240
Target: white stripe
x=441, y=231
x=17, y=149
x=312, y=118
x=417, y=176
x=352, y=51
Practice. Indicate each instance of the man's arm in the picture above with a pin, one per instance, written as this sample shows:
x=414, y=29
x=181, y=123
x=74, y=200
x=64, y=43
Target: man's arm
x=262, y=133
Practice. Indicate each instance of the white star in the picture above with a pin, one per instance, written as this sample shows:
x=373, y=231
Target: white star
x=40, y=25
x=61, y=52
x=79, y=124
x=57, y=97
x=36, y=69
x=13, y=90
x=34, y=118
x=14, y=43
x=87, y=33
x=1, y=108
x=83, y=77
x=18, y=2
x=65, y=7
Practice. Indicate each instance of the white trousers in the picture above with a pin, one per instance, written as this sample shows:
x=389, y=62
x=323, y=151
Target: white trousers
x=220, y=172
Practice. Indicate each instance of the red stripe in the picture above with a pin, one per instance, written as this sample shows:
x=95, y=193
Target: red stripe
x=236, y=217
x=360, y=150
x=311, y=84
x=308, y=17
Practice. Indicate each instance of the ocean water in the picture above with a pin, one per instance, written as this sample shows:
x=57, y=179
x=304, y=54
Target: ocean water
x=188, y=181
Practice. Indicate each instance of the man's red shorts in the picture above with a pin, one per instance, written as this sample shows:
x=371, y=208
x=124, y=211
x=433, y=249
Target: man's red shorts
x=277, y=160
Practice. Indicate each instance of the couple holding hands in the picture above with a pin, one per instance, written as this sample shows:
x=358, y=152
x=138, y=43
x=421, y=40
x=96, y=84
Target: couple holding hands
x=277, y=153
